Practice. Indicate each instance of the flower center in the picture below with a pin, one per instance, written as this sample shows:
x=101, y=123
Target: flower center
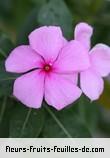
x=47, y=68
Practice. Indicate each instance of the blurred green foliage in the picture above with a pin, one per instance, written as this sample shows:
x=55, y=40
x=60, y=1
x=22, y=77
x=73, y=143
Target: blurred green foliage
x=82, y=119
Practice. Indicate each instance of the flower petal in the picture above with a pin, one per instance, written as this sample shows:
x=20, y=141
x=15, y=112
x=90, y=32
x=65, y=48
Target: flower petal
x=47, y=41
x=73, y=57
x=100, y=58
x=29, y=89
x=65, y=41
x=22, y=59
x=83, y=33
x=91, y=84
x=60, y=90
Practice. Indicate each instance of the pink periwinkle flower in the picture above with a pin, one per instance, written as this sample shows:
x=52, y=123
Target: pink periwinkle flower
x=91, y=81
x=49, y=65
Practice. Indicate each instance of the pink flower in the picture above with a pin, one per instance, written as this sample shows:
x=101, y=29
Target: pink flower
x=91, y=81
x=48, y=63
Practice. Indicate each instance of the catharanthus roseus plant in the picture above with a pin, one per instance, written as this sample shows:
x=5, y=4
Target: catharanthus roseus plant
x=50, y=66
x=90, y=80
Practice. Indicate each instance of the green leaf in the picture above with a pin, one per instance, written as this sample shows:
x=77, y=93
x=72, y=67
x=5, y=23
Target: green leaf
x=26, y=123
x=5, y=7
x=39, y=3
x=5, y=45
x=104, y=122
x=79, y=8
x=4, y=117
x=64, y=123
x=56, y=12
x=29, y=25
x=6, y=81
x=95, y=6
x=89, y=113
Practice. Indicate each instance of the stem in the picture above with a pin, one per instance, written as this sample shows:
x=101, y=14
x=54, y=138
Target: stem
x=81, y=107
x=3, y=108
x=25, y=122
x=58, y=122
